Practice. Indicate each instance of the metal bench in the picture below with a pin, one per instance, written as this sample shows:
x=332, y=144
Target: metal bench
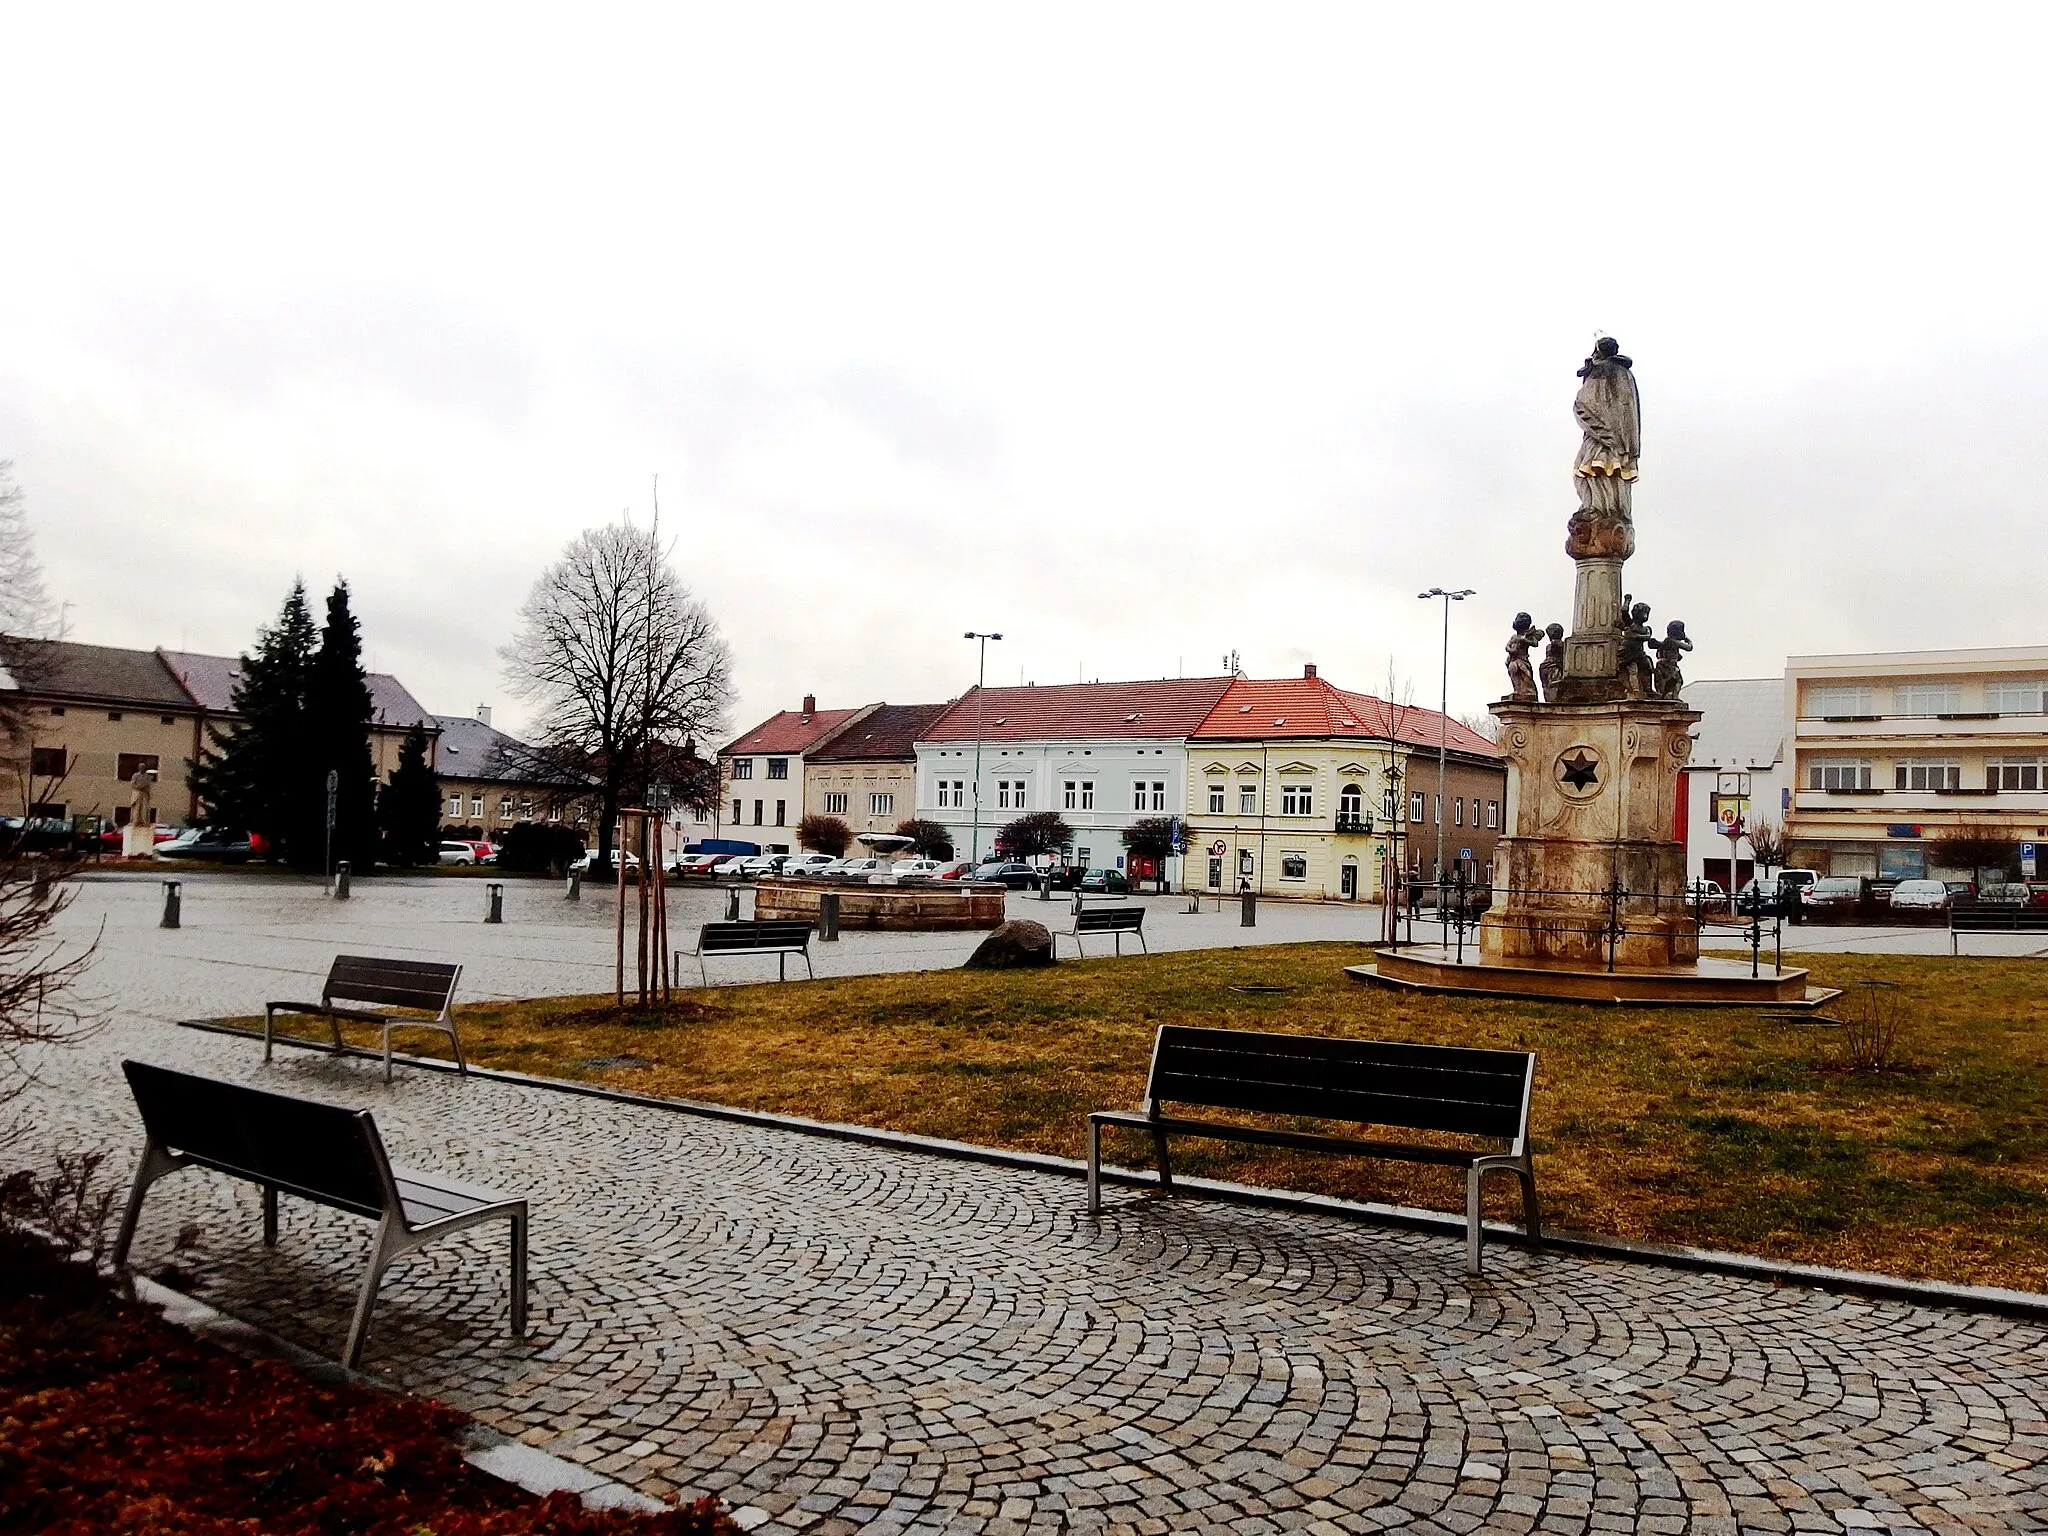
x=1116, y=920
x=318, y=1152
x=426, y=985
x=1997, y=918
x=1469, y=1092
x=777, y=936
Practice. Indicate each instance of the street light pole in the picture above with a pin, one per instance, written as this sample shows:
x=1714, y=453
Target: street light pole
x=980, y=704
x=1443, y=733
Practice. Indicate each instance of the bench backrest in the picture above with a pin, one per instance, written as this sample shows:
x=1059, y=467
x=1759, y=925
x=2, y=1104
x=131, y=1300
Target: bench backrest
x=1369, y=1082
x=764, y=934
x=1109, y=919
x=425, y=984
x=1997, y=915
x=318, y=1151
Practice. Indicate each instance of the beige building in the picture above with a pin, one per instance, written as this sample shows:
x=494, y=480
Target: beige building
x=1890, y=751
x=764, y=773
x=866, y=774
x=491, y=782
x=1301, y=788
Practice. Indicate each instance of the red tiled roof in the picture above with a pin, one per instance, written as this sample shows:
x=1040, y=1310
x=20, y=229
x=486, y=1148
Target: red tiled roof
x=887, y=735
x=1169, y=707
x=792, y=731
x=1259, y=710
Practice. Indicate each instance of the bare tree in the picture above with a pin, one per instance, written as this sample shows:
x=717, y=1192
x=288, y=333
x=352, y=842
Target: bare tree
x=620, y=661
x=28, y=619
x=1767, y=845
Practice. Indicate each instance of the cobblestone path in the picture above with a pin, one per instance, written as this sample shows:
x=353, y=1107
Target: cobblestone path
x=839, y=1338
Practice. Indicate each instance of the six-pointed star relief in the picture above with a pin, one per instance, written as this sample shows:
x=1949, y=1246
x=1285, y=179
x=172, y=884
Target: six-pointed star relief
x=1579, y=771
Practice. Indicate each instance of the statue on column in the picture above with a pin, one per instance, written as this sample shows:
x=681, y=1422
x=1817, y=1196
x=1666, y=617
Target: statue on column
x=1636, y=672
x=1551, y=673
x=138, y=838
x=1610, y=418
x=1669, y=682
x=1521, y=673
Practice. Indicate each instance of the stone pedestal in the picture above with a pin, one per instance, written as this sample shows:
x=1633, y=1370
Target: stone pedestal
x=138, y=840
x=1592, y=800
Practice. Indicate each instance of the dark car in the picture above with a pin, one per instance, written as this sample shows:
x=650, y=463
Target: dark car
x=1837, y=894
x=219, y=846
x=1018, y=877
x=1107, y=881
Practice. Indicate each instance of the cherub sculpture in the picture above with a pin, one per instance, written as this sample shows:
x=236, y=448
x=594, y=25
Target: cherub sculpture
x=1634, y=661
x=1521, y=673
x=1551, y=673
x=1668, y=680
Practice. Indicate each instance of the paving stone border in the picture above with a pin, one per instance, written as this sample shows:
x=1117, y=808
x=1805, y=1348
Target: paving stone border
x=2028, y=1306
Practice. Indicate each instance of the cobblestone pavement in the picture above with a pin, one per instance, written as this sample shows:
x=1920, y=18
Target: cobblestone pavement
x=839, y=1338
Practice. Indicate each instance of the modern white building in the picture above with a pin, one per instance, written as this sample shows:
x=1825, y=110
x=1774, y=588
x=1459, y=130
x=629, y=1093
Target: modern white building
x=1737, y=769
x=1103, y=755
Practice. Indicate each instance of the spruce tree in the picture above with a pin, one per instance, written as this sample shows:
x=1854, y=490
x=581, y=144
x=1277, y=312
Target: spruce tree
x=251, y=776
x=338, y=732
x=409, y=808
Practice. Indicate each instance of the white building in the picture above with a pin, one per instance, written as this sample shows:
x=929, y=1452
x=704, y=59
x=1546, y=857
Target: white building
x=1738, y=768
x=1103, y=755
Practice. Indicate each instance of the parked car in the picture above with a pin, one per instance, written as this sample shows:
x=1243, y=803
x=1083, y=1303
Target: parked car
x=1840, y=894
x=210, y=843
x=1962, y=890
x=954, y=869
x=1009, y=872
x=760, y=864
x=486, y=853
x=904, y=867
x=807, y=863
x=2014, y=895
x=1705, y=895
x=690, y=866
x=1920, y=896
x=861, y=868
x=1108, y=881
x=589, y=859
x=728, y=866
x=463, y=853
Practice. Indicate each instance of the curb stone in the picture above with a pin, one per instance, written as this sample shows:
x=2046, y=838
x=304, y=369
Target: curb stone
x=2029, y=1306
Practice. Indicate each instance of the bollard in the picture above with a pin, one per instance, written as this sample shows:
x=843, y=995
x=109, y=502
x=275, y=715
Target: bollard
x=1045, y=886
x=575, y=891
x=341, y=881
x=828, y=918
x=732, y=905
x=494, y=907
x=171, y=903
x=1249, y=916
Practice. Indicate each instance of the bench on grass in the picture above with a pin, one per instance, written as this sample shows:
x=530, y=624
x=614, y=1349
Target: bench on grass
x=426, y=985
x=1996, y=918
x=1116, y=920
x=777, y=936
x=318, y=1152
x=1366, y=1082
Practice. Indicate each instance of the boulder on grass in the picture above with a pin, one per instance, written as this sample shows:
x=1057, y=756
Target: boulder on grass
x=1012, y=947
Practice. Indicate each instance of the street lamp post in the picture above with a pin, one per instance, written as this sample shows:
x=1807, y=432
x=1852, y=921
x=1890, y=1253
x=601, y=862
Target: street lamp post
x=980, y=672
x=1443, y=733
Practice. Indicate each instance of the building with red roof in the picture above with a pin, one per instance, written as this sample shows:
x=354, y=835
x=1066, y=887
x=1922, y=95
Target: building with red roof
x=764, y=771
x=1300, y=788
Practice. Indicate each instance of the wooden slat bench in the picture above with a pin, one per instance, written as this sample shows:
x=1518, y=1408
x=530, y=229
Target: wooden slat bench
x=777, y=936
x=426, y=985
x=1996, y=918
x=1116, y=920
x=1469, y=1092
x=319, y=1152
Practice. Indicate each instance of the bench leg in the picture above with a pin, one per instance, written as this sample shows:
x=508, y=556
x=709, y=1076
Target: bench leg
x=519, y=1273
x=1475, y=1234
x=269, y=1028
x=1165, y=1162
x=1119, y=943
x=1532, y=1219
x=270, y=1215
x=382, y=1251
x=1095, y=1168
x=1143, y=947
x=781, y=966
x=455, y=1039
x=813, y=975
x=334, y=1026
x=156, y=1162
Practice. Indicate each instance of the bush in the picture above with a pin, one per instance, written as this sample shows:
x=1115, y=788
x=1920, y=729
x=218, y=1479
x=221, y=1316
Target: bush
x=538, y=848
x=928, y=838
x=824, y=834
x=1028, y=836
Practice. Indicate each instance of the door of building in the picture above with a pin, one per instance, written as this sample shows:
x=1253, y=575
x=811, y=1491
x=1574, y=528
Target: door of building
x=1215, y=874
x=1347, y=880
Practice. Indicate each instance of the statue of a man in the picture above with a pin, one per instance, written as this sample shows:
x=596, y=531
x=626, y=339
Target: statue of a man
x=1521, y=674
x=1610, y=418
x=140, y=788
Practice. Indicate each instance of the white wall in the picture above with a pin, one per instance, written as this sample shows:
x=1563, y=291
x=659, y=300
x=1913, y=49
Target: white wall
x=1044, y=768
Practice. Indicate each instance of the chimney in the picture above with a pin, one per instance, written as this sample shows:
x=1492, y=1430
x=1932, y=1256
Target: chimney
x=810, y=703
x=483, y=713
x=1308, y=669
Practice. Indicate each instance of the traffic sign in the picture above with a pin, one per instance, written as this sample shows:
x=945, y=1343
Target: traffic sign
x=1218, y=848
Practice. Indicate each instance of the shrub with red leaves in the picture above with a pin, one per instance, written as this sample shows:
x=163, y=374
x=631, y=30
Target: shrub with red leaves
x=115, y=1423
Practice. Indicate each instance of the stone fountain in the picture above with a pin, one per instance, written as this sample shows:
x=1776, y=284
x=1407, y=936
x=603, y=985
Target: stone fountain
x=1589, y=884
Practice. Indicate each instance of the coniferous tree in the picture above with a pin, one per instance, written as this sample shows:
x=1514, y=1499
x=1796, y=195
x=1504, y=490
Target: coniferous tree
x=409, y=808
x=338, y=731
x=251, y=777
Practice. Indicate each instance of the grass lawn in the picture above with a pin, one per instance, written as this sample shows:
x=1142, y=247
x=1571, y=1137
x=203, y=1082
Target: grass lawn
x=1707, y=1127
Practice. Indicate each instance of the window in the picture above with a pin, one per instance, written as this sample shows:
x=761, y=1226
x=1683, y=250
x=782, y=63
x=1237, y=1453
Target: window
x=781, y=812
x=2014, y=698
x=1927, y=773
x=1138, y=795
x=455, y=805
x=1247, y=799
x=56, y=709
x=737, y=818
x=504, y=807
x=128, y=764
x=46, y=810
x=1086, y=856
x=884, y=805
x=1005, y=788
x=1930, y=698
x=476, y=807
x=1350, y=803
x=1832, y=701
x=554, y=813
x=113, y=714
x=952, y=793
x=1293, y=866
x=2013, y=773
x=1215, y=799
x=1390, y=802
x=743, y=767
x=1416, y=803
x=757, y=813
x=1457, y=810
x=835, y=805
x=47, y=762
x=1297, y=799
x=1158, y=794
x=1079, y=794
x=1439, y=810
x=778, y=767
x=1492, y=813
x=1838, y=773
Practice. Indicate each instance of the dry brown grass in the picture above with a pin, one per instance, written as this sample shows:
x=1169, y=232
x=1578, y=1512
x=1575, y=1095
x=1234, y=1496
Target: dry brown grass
x=1707, y=1127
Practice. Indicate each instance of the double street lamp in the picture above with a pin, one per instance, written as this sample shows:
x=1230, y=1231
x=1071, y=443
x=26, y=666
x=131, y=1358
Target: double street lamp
x=1443, y=730
x=980, y=673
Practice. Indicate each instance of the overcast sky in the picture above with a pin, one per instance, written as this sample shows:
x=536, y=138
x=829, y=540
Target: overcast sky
x=1136, y=333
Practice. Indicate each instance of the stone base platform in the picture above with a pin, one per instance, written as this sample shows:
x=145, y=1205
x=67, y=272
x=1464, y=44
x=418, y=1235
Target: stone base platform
x=1710, y=984
x=930, y=906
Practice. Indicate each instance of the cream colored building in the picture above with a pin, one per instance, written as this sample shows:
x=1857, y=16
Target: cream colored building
x=866, y=774
x=1889, y=751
